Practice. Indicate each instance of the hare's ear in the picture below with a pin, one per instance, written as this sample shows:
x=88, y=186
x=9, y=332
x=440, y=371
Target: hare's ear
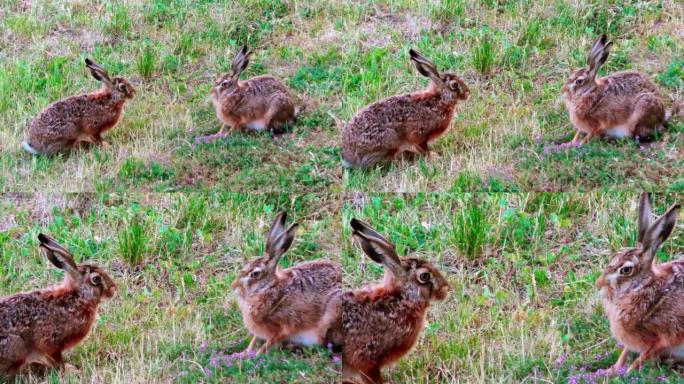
x=59, y=256
x=279, y=240
x=598, y=54
x=657, y=233
x=377, y=248
x=240, y=62
x=99, y=73
x=425, y=66
x=645, y=217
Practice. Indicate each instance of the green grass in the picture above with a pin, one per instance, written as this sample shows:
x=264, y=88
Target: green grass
x=174, y=221
x=337, y=58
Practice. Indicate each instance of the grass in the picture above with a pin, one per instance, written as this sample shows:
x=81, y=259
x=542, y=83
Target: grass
x=173, y=258
x=520, y=229
x=515, y=56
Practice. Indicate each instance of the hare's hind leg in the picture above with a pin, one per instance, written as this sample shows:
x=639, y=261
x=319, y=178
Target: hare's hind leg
x=270, y=342
x=252, y=345
x=649, y=114
x=653, y=351
x=280, y=112
x=621, y=360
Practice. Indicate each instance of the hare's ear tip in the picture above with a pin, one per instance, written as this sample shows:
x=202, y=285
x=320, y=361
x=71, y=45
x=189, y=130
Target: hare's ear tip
x=88, y=61
x=43, y=238
x=356, y=224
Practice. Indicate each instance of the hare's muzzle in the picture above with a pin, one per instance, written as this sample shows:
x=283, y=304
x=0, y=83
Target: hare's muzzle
x=601, y=282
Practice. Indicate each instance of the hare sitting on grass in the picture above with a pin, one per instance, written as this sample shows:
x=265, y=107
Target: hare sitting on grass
x=37, y=327
x=78, y=119
x=260, y=103
x=285, y=304
x=624, y=104
x=376, y=325
x=388, y=127
x=644, y=300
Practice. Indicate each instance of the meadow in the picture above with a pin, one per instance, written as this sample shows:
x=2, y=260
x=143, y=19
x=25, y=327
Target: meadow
x=520, y=228
x=337, y=57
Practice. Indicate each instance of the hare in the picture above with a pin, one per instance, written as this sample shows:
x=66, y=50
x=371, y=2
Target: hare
x=376, y=325
x=285, y=304
x=260, y=103
x=624, y=104
x=38, y=326
x=403, y=123
x=77, y=119
x=644, y=301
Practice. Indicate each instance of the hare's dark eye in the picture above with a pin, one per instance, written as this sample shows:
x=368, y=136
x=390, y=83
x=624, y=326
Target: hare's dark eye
x=255, y=274
x=424, y=277
x=579, y=81
x=96, y=279
x=626, y=271
x=453, y=86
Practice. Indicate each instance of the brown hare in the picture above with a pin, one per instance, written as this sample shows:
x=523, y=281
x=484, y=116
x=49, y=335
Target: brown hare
x=644, y=300
x=260, y=103
x=376, y=325
x=78, y=119
x=285, y=304
x=409, y=122
x=624, y=104
x=37, y=327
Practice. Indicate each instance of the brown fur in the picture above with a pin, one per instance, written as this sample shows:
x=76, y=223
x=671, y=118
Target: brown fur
x=625, y=104
x=376, y=325
x=642, y=299
x=403, y=123
x=277, y=305
x=262, y=102
x=38, y=326
x=71, y=121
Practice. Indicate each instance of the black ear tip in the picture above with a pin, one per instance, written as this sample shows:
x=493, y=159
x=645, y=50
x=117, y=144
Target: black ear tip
x=356, y=224
x=43, y=238
x=88, y=61
x=413, y=52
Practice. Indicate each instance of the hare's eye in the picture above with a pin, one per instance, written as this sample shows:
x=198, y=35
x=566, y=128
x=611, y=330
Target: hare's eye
x=579, y=81
x=225, y=83
x=255, y=274
x=626, y=271
x=453, y=86
x=96, y=279
x=424, y=277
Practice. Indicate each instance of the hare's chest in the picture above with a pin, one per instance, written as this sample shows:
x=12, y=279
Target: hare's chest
x=617, y=328
x=250, y=314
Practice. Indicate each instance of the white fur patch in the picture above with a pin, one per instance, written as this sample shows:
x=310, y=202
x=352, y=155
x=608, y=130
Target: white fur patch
x=619, y=131
x=676, y=352
x=28, y=148
x=306, y=338
x=257, y=125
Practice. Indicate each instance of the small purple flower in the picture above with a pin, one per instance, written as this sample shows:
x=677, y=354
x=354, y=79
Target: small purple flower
x=329, y=346
x=337, y=359
x=204, y=346
x=214, y=362
x=661, y=378
x=560, y=361
x=208, y=372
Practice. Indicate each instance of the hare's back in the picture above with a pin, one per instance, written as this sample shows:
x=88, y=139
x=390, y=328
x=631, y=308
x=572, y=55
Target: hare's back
x=315, y=276
x=19, y=311
x=265, y=86
x=629, y=83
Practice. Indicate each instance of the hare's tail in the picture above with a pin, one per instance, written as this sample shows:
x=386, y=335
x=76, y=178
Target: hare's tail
x=28, y=148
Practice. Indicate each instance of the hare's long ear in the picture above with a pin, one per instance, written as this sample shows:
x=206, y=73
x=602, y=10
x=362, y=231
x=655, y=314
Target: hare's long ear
x=657, y=233
x=378, y=248
x=425, y=67
x=645, y=217
x=99, y=73
x=598, y=54
x=279, y=240
x=59, y=256
x=240, y=62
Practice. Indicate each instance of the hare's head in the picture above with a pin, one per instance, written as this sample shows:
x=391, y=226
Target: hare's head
x=630, y=266
x=89, y=279
x=259, y=273
x=448, y=84
x=118, y=87
x=228, y=82
x=417, y=279
x=584, y=80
